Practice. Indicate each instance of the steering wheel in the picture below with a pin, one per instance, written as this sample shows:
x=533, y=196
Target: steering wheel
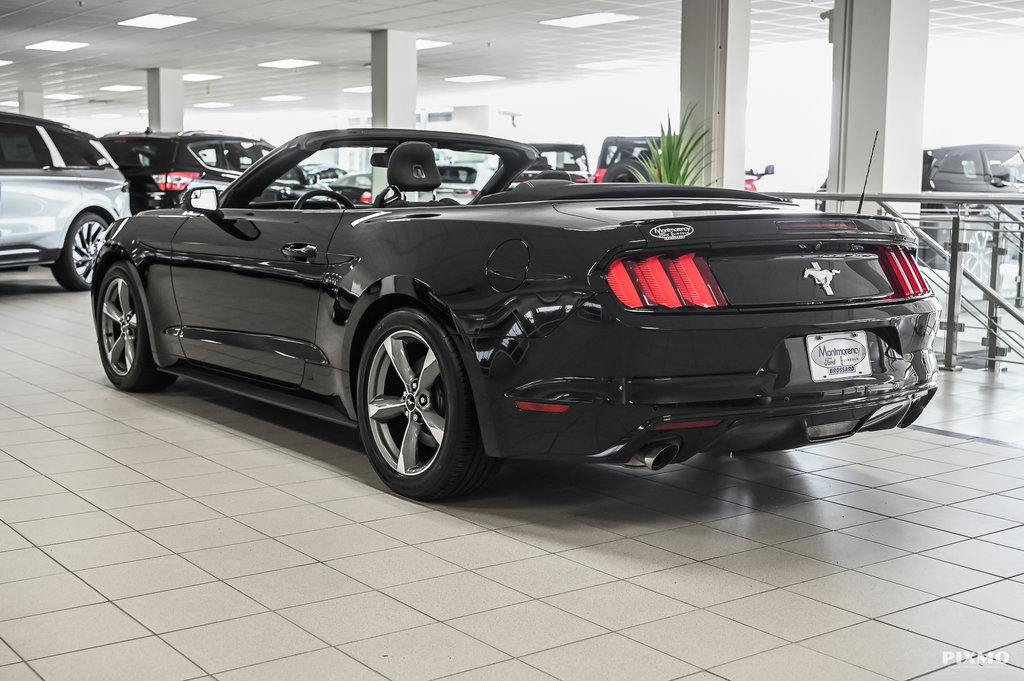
x=333, y=195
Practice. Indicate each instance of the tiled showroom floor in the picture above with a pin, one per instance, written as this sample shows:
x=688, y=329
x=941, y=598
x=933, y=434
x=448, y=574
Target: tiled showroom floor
x=190, y=534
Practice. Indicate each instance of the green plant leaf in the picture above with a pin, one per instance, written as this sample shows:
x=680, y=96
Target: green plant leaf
x=683, y=156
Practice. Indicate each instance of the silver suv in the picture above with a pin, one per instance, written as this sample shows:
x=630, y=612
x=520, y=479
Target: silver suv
x=59, y=192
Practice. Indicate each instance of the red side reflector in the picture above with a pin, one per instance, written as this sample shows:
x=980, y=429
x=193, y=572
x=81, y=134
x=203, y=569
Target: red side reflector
x=682, y=425
x=544, y=407
x=665, y=281
x=174, y=181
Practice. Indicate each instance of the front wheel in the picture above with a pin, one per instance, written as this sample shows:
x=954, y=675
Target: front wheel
x=416, y=411
x=74, y=267
x=123, y=335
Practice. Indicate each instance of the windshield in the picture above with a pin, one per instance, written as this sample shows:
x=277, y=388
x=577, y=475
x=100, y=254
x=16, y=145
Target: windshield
x=1006, y=164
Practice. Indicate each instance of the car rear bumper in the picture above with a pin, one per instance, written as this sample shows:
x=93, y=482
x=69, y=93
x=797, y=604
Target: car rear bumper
x=702, y=389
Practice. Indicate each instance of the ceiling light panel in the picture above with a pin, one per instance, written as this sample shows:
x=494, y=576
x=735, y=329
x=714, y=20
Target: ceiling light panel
x=479, y=78
x=9, y=103
x=156, y=21
x=288, y=64
x=362, y=89
x=199, y=77
x=56, y=45
x=585, y=20
x=62, y=97
x=5, y=62
x=281, y=98
x=423, y=44
x=212, y=105
x=121, y=88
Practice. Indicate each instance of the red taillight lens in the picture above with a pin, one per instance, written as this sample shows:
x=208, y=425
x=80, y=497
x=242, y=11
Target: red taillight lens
x=665, y=281
x=366, y=197
x=174, y=181
x=901, y=270
x=599, y=174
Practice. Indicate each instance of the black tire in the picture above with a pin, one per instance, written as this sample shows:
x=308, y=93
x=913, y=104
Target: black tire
x=77, y=261
x=623, y=171
x=123, y=335
x=400, y=417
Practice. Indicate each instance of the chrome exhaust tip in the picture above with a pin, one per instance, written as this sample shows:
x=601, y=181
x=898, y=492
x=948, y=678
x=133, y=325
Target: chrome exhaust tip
x=655, y=456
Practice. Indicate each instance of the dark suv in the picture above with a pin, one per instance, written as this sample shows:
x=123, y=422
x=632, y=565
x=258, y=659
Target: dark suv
x=161, y=165
x=59, y=191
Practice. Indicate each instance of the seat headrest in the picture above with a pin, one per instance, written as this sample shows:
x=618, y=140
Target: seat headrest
x=412, y=168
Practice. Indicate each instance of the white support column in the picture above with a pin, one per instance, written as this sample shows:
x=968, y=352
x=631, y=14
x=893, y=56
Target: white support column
x=393, y=77
x=30, y=103
x=878, y=75
x=165, y=93
x=715, y=55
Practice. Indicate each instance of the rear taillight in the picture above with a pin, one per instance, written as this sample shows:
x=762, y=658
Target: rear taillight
x=174, y=181
x=665, y=281
x=599, y=174
x=901, y=270
x=366, y=197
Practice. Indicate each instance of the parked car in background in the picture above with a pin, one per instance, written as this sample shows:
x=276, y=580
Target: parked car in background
x=59, y=191
x=634, y=324
x=567, y=158
x=356, y=187
x=161, y=165
x=461, y=182
x=969, y=168
x=621, y=156
x=324, y=174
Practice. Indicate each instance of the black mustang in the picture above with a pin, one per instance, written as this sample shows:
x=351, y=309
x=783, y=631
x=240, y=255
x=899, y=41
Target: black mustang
x=621, y=323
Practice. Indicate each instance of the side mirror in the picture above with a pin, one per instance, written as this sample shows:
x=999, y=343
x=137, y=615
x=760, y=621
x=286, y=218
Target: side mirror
x=202, y=200
x=769, y=170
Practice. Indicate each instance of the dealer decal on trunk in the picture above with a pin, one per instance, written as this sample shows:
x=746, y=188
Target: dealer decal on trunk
x=672, y=231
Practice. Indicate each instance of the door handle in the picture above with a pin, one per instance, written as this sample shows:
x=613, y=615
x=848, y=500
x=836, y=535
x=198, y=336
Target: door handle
x=299, y=251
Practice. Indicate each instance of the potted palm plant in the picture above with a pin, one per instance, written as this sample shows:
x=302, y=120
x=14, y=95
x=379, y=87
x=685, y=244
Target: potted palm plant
x=682, y=156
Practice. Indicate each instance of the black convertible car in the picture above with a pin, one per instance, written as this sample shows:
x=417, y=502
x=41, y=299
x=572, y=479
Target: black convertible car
x=624, y=323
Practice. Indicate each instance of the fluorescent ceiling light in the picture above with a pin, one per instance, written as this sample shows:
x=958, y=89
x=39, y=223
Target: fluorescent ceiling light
x=584, y=20
x=106, y=116
x=61, y=97
x=281, y=98
x=212, y=105
x=423, y=44
x=156, y=21
x=5, y=62
x=199, y=77
x=473, y=79
x=362, y=89
x=1016, y=21
x=9, y=103
x=288, y=64
x=143, y=111
x=56, y=45
x=121, y=88
x=612, y=65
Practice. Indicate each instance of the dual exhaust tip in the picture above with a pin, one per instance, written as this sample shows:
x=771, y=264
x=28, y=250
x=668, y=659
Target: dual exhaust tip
x=656, y=455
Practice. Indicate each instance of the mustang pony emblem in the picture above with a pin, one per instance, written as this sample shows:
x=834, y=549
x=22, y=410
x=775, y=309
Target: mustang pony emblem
x=822, y=278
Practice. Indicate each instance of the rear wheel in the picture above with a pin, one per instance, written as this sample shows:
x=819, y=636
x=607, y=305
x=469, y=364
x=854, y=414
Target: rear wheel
x=416, y=410
x=73, y=269
x=123, y=335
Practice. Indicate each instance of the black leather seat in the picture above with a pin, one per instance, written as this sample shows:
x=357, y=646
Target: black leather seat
x=411, y=168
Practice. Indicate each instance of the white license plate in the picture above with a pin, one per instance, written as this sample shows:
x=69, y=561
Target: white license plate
x=835, y=356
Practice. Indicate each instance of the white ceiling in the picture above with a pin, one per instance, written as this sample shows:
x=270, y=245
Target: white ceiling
x=497, y=37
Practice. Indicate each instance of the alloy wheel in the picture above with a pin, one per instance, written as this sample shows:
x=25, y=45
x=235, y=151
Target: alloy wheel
x=119, y=326
x=405, y=402
x=86, y=246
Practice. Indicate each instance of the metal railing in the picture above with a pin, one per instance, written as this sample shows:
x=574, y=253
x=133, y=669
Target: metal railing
x=972, y=253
